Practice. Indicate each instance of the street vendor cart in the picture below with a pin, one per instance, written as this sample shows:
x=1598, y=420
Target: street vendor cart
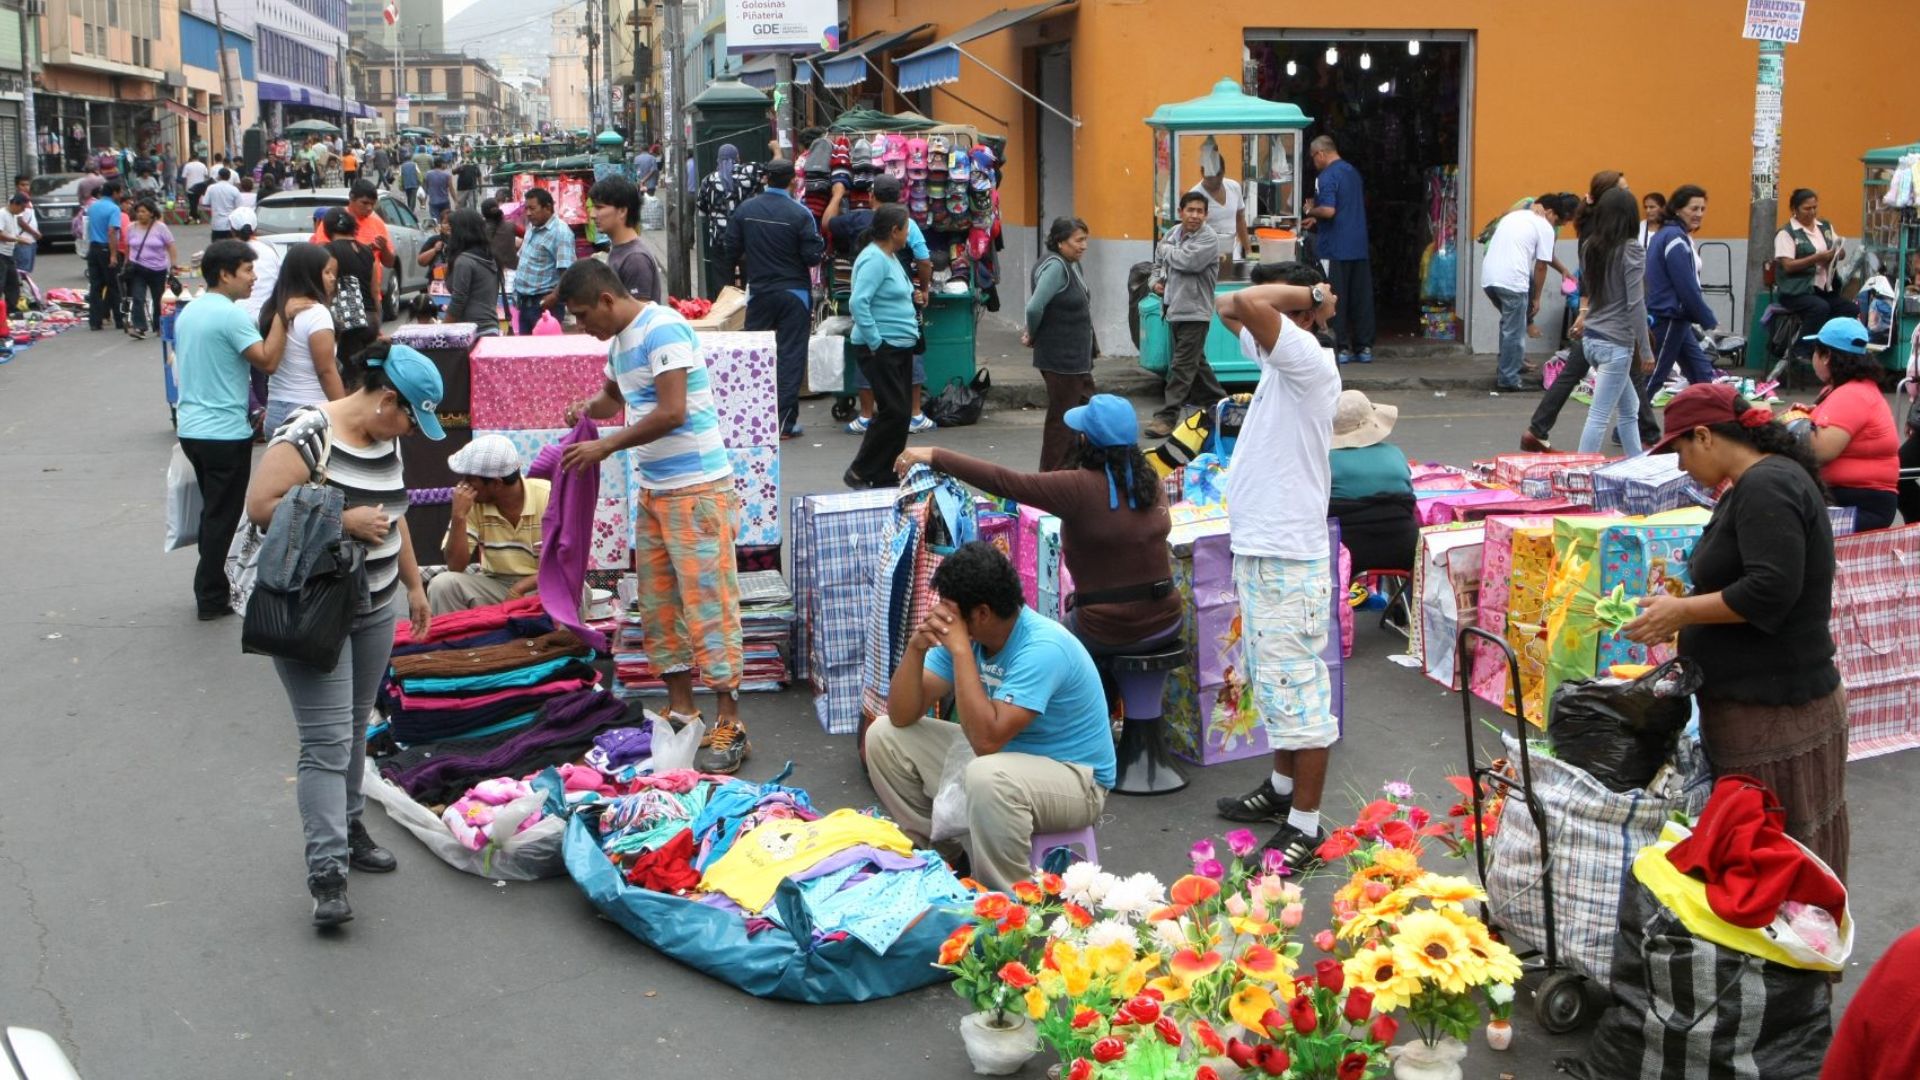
x=1261, y=142
x=1890, y=231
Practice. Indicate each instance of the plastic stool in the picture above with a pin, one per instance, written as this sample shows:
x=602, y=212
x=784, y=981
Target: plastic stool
x=1071, y=839
x=1143, y=766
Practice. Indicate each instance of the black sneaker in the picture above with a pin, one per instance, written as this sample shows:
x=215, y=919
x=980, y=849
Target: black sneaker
x=329, y=889
x=1261, y=804
x=364, y=854
x=723, y=749
x=1300, y=850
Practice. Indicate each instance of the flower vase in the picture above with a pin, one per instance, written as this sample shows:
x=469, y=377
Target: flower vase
x=998, y=1050
x=1499, y=1034
x=1429, y=1061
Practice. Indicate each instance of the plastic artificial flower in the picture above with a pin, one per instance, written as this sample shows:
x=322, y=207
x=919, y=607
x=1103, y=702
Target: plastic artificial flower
x=1327, y=973
x=1399, y=789
x=1238, y=907
x=1500, y=993
x=1189, y=964
x=1211, y=868
x=1015, y=974
x=1338, y=845
x=1170, y=934
x=1301, y=1014
x=1205, y=1072
x=1249, y=1005
x=1447, y=891
x=1242, y=842
x=1272, y=1060
x=992, y=906
x=1208, y=1037
x=1140, y=1010
x=1111, y=934
x=1085, y=883
x=1352, y=1067
x=1172, y=988
x=1036, y=1002
x=1399, y=863
x=1358, y=1006
x=1134, y=895
x=1432, y=947
x=1499, y=962
x=1324, y=941
x=1051, y=884
x=1028, y=892
x=1134, y=979
x=1200, y=852
x=1016, y=918
x=1373, y=815
x=1196, y=888
x=956, y=946
x=1168, y=1031
x=1109, y=1050
x=1080, y=918
x=1261, y=962
x=971, y=885
x=1383, y=1029
x=1081, y=1069
x=1400, y=834
x=1377, y=969
x=1291, y=915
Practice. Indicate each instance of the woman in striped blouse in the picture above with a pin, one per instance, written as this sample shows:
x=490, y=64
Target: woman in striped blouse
x=358, y=438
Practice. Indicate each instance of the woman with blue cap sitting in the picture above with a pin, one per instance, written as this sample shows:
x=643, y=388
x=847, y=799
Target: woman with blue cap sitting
x=1113, y=528
x=1854, y=436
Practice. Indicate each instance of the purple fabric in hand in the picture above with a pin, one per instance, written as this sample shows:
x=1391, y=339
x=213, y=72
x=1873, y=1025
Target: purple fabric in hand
x=567, y=532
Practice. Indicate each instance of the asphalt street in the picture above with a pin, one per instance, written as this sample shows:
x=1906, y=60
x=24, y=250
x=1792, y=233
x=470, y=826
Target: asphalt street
x=153, y=912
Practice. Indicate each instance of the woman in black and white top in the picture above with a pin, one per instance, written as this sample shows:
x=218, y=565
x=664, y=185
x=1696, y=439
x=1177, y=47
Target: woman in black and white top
x=309, y=370
x=358, y=438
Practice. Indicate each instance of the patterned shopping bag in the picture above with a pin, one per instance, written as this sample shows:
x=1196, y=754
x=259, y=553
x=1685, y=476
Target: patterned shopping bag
x=1876, y=637
x=1647, y=559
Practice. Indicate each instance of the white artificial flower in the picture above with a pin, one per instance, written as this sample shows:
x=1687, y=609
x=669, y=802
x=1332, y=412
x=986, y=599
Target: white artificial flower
x=1170, y=934
x=1060, y=929
x=1500, y=994
x=1135, y=895
x=1086, y=884
x=1108, y=932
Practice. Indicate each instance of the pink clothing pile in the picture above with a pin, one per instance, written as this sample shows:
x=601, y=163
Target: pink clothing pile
x=471, y=818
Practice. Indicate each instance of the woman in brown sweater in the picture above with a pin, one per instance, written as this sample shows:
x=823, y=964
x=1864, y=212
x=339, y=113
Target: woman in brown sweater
x=1113, y=528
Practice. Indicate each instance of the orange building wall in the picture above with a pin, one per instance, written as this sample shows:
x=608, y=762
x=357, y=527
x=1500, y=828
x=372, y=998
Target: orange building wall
x=1676, y=109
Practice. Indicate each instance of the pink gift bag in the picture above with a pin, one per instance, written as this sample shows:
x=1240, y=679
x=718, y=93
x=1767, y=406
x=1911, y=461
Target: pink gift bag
x=1441, y=509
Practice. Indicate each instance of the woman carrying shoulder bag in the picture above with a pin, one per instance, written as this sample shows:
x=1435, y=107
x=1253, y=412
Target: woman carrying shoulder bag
x=1060, y=332
x=358, y=439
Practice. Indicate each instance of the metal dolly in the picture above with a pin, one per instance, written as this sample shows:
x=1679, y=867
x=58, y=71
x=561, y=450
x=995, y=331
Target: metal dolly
x=1559, y=999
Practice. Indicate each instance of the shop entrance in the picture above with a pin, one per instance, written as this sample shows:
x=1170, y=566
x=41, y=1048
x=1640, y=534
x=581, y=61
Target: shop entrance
x=1055, y=157
x=1399, y=106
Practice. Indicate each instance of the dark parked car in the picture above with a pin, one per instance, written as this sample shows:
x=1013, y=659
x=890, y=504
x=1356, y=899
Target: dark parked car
x=56, y=202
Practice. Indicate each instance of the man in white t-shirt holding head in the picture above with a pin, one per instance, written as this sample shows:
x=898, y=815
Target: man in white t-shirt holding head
x=1514, y=272
x=1278, y=484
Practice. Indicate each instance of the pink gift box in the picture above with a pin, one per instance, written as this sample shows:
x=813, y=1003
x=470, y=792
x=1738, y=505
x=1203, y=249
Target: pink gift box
x=528, y=382
x=1441, y=509
x=612, y=535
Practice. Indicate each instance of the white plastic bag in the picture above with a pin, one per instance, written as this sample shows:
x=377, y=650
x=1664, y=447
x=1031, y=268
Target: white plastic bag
x=524, y=856
x=183, y=502
x=826, y=364
x=243, y=565
x=950, y=802
x=674, y=750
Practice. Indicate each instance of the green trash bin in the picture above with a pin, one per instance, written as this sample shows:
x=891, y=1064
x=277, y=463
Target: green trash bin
x=950, y=340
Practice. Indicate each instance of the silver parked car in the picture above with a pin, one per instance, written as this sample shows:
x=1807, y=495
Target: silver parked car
x=292, y=213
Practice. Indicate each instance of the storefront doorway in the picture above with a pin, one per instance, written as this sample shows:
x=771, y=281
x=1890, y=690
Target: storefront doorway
x=1399, y=104
x=1055, y=144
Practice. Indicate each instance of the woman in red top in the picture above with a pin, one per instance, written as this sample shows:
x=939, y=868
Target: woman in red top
x=1854, y=437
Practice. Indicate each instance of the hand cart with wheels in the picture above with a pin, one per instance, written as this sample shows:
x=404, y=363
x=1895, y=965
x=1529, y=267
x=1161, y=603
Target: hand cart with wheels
x=1559, y=998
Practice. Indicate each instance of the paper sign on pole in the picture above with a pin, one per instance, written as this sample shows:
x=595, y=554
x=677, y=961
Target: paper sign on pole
x=402, y=110
x=757, y=26
x=1774, y=20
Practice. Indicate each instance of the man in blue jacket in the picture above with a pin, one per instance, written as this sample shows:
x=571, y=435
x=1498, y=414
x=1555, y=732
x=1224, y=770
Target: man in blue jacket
x=1674, y=300
x=776, y=242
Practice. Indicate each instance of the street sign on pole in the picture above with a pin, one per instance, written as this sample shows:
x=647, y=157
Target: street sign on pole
x=402, y=110
x=1774, y=20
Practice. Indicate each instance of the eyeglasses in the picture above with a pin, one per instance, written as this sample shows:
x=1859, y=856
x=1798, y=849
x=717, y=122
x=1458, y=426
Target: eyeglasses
x=413, y=422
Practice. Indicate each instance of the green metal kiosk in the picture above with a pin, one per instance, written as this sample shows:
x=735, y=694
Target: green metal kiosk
x=1270, y=137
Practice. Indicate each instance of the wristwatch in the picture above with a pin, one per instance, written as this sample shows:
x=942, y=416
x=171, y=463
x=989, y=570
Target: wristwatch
x=1319, y=295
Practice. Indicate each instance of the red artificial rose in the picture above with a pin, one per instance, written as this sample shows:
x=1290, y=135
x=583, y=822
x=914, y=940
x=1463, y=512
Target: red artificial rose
x=1084, y=1018
x=1359, y=1004
x=1300, y=1012
x=1208, y=1037
x=1272, y=1060
x=1400, y=835
x=1027, y=891
x=1205, y=1072
x=1016, y=918
x=991, y=906
x=1273, y=1019
x=1168, y=1031
x=1383, y=1029
x=1109, y=1049
x=1352, y=1067
x=1339, y=845
x=1240, y=1053
x=1328, y=973
x=1051, y=884
x=1418, y=817
x=1080, y=917
x=1015, y=974
x=1148, y=991
x=1145, y=1010
x=1081, y=1069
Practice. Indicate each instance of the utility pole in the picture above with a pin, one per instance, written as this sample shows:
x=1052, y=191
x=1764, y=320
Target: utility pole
x=1768, y=90
x=606, y=53
x=783, y=103
x=639, y=138
x=674, y=169
x=226, y=87
x=340, y=79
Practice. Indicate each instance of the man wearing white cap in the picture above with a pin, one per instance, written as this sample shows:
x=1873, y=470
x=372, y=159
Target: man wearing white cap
x=493, y=544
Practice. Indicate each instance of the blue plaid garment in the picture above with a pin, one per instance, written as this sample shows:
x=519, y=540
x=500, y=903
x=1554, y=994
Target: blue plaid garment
x=836, y=546
x=546, y=251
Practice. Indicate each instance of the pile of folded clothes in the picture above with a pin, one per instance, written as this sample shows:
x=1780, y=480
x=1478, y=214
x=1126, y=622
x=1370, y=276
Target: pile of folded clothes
x=561, y=730
x=482, y=679
x=766, y=636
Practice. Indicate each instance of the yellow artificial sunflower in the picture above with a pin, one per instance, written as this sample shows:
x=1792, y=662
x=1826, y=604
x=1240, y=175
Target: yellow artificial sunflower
x=1376, y=968
x=1247, y=1007
x=1430, y=946
x=1500, y=964
x=1398, y=863
x=1445, y=891
x=1384, y=911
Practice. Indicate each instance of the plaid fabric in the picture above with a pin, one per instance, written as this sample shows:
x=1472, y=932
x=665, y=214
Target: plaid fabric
x=1876, y=637
x=836, y=538
x=689, y=591
x=1646, y=485
x=1593, y=835
x=1513, y=469
x=1842, y=519
x=902, y=593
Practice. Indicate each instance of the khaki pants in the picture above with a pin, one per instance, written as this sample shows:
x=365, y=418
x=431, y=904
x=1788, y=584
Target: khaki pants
x=457, y=591
x=1010, y=796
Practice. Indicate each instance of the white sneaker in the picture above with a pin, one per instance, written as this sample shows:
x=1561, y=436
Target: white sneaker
x=858, y=425
x=921, y=424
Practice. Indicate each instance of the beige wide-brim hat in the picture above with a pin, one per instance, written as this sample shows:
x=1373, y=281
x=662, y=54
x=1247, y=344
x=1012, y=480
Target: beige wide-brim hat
x=1359, y=422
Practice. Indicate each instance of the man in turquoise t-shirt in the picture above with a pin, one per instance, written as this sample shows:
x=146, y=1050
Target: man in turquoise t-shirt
x=103, y=258
x=215, y=341
x=1028, y=703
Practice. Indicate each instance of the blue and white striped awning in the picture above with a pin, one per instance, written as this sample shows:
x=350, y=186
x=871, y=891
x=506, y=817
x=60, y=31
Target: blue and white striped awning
x=849, y=66
x=940, y=62
x=758, y=73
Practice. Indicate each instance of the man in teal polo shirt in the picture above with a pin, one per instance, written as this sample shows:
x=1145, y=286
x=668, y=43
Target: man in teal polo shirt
x=215, y=341
x=103, y=258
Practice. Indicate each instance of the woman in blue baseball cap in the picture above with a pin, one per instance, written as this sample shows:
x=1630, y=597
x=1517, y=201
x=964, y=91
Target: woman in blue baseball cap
x=1854, y=436
x=1113, y=527
x=354, y=442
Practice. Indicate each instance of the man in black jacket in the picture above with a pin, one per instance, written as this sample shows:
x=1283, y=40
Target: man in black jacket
x=775, y=242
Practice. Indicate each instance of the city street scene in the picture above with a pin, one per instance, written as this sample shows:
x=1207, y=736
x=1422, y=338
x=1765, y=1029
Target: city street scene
x=1077, y=540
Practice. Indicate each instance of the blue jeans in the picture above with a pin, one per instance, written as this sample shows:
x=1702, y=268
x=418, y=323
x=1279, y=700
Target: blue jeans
x=1616, y=403
x=1513, y=333
x=526, y=310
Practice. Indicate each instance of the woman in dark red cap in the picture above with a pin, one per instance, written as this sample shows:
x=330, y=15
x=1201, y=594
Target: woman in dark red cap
x=1771, y=706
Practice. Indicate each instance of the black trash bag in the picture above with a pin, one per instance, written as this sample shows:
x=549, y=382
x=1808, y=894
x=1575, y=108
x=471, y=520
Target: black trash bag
x=1139, y=287
x=960, y=404
x=1685, y=1008
x=311, y=624
x=1622, y=732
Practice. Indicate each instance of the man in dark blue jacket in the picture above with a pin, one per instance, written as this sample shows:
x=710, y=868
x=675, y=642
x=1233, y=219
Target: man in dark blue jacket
x=1674, y=300
x=776, y=242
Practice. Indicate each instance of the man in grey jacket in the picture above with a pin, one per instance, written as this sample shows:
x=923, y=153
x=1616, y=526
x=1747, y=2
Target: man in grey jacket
x=1185, y=267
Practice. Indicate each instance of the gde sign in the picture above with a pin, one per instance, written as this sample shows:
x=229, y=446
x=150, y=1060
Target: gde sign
x=781, y=25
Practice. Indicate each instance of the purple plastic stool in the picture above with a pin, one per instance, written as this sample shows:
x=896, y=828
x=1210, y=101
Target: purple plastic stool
x=1143, y=765
x=1071, y=839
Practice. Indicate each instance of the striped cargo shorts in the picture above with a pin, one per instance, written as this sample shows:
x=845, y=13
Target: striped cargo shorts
x=1285, y=606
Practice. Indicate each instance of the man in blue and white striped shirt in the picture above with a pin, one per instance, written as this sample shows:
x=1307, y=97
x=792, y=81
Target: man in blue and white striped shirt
x=684, y=517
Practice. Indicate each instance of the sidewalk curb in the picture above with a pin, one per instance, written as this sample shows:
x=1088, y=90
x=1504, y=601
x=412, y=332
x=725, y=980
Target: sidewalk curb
x=1140, y=384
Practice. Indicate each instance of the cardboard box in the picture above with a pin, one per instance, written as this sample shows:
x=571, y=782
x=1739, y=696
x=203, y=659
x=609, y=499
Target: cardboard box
x=729, y=312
